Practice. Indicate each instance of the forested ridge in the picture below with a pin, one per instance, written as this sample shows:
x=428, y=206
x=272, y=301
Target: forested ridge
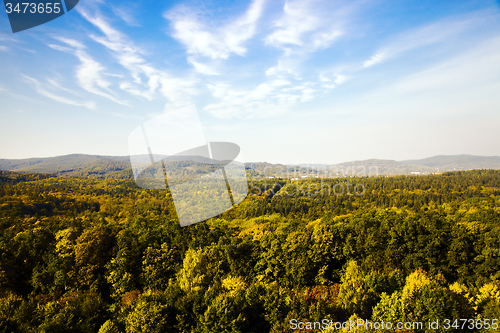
x=119, y=167
x=103, y=255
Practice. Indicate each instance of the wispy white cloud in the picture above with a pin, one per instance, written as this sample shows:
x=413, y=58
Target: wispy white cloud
x=90, y=78
x=329, y=82
x=89, y=73
x=476, y=69
x=339, y=79
x=128, y=55
x=126, y=15
x=308, y=26
x=428, y=34
x=202, y=68
x=145, y=80
x=13, y=42
x=56, y=84
x=283, y=86
x=8, y=38
x=322, y=40
x=295, y=22
x=218, y=42
x=301, y=30
x=302, y=27
x=271, y=98
x=233, y=102
x=375, y=59
x=281, y=69
x=45, y=90
x=71, y=42
x=282, y=90
x=18, y=96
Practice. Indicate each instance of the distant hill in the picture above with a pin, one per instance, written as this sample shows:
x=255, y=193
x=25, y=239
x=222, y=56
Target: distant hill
x=96, y=166
x=372, y=167
x=74, y=165
x=378, y=167
x=458, y=162
x=435, y=164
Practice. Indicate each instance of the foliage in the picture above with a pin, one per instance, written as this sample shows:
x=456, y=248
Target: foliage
x=88, y=255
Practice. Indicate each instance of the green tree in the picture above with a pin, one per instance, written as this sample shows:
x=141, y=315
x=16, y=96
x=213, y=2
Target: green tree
x=149, y=313
x=158, y=265
x=355, y=295
x=422, y=299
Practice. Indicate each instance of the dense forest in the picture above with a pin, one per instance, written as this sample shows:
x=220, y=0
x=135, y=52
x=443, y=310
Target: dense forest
x=103, y=255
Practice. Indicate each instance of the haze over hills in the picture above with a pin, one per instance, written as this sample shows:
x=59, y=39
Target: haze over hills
x=96, y=166
x=458, y=162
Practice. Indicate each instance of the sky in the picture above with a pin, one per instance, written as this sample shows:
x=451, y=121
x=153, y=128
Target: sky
x=288, y=81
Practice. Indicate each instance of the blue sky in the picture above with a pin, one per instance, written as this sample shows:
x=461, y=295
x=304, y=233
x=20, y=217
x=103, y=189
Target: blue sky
x=290, y=82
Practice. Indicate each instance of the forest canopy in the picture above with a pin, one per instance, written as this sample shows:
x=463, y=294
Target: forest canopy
x=103, y=255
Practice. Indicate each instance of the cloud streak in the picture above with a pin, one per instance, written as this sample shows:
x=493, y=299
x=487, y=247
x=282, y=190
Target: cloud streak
x=426, y=35
x=89, y=73
x=126, y=15
x=45, y=90
x=145, y=80
x=476, y=68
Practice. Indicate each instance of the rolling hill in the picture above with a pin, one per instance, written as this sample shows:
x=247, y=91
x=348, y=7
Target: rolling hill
x=458, y=162
x=96, y=166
